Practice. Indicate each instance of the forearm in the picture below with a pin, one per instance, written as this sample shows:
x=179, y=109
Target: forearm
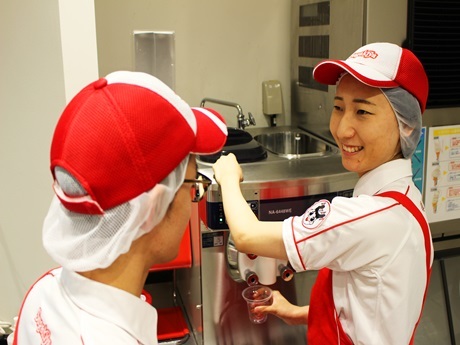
x=249, y=234
x=299, y=315
x=238, y=214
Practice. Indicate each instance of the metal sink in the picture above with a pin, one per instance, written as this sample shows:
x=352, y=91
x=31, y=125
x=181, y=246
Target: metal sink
x=294, y=144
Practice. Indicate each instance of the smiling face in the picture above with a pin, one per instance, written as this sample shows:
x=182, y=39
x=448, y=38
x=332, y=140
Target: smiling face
x=364, y=126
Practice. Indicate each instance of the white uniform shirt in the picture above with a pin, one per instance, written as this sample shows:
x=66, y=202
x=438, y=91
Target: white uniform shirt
x=66, y=308
x=376, y=251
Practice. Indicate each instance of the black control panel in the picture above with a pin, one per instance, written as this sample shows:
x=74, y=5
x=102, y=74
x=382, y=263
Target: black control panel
x=270, y=210
x=216, y=216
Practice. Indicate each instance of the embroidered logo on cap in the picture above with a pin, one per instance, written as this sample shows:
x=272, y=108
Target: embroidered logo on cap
x=365, y=54
x=316, y=214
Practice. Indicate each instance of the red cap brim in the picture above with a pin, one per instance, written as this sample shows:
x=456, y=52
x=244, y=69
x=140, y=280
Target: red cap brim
x=211, y=133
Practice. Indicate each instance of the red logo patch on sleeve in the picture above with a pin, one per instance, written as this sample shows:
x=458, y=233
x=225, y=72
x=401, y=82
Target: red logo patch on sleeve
x=42, y=329
x=316, y=214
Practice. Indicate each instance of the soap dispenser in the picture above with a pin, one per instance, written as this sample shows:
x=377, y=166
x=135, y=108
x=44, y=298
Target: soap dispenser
x=272, y=100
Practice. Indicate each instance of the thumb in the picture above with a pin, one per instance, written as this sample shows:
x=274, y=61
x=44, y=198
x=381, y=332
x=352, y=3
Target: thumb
x=262, y=309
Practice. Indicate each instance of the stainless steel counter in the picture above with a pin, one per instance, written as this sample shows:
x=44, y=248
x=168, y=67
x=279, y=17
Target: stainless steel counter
x=280, y=172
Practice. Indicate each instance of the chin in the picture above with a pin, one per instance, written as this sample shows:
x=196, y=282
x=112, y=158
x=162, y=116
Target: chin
x=354, y=168
x=349, y=165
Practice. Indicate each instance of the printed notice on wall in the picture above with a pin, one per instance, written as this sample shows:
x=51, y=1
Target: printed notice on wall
x=442, y=194
x=418, y=162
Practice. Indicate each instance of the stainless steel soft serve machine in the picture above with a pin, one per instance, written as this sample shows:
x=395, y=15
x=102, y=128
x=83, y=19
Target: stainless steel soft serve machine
x=297, y=170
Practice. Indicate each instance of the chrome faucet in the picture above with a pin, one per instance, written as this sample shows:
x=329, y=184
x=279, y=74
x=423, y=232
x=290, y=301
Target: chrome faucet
x=242, y=121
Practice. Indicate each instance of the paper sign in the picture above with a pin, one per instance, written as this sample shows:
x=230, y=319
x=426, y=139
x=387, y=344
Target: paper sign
x=442, y=195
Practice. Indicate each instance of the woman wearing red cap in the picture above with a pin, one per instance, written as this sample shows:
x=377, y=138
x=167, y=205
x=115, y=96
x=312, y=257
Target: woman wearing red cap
x=373, y=250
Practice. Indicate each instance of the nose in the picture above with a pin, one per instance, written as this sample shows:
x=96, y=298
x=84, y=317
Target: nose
x=344, y=126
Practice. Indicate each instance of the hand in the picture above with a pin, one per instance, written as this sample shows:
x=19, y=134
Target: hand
x=227, y=168
x=282, y=308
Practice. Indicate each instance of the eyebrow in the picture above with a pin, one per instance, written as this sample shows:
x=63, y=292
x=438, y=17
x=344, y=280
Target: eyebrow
x=356, y=100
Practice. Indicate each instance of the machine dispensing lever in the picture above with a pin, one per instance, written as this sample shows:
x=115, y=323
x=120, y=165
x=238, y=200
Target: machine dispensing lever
x=242, y=121
x=251, y=278
x=286, y=273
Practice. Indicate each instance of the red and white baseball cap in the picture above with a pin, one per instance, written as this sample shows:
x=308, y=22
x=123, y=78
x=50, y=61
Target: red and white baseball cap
x=123, y=134
x=382, y=65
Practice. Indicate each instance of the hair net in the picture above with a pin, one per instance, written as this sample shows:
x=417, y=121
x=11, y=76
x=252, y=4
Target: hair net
x=82, y=242
x=409, y=116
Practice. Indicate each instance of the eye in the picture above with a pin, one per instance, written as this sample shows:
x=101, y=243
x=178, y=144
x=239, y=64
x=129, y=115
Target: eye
x=199, y=186
x=337, y=108
x=363, y=112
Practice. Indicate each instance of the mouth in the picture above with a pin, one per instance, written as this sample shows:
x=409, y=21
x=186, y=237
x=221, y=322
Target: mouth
x=352, y=149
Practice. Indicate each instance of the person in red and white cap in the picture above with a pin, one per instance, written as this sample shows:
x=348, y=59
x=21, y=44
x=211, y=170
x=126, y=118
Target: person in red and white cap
x=123, y=164
x=374, y=250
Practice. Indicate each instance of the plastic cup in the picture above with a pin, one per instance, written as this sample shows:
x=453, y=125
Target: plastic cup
x=256, y=295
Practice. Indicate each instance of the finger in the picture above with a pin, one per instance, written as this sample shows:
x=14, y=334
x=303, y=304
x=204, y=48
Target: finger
x=230, y=155
x=262, y=309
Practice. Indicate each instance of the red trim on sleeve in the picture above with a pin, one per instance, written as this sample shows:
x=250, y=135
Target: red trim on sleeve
x=296, y=242
x=296, y=246
x=346, y=222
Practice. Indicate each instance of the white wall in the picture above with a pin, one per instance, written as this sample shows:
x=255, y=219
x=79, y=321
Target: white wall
x=224, y=49
x=79, y=46
x=37, y=75
x=386, y=21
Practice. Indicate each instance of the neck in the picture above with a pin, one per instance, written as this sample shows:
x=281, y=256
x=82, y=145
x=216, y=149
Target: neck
x=398, y=155
x=128, y=272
